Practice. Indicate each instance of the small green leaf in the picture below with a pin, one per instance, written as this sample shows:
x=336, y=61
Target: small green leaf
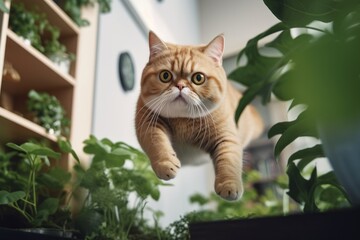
x=66, y=147
x=16, y=147
x=279, y=128
x=44, y=151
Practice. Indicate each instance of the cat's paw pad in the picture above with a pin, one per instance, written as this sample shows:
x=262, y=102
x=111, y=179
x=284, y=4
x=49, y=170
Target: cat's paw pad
x=230, y=190
x=166, y=170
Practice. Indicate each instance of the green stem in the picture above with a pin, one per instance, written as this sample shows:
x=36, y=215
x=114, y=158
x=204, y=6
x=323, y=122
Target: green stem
x=25, y=214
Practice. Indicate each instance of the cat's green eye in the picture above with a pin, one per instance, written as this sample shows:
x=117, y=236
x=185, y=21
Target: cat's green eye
x=165, y=76
x=198, y=78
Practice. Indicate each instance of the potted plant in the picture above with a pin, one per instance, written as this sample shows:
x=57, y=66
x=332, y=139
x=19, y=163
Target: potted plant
x=316, y=68
x=117, y=174
x=32, y=198
x=56, y=51
x=27, y=24
x=48, y=112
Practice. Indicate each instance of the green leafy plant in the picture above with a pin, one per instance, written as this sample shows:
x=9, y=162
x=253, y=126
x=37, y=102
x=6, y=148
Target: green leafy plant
x=118, y=173
x=26, y=187
x=27, y=24
x=48, y=112
x=54, y=49
x=73, y=9
x=34, y=26
x=317, y=68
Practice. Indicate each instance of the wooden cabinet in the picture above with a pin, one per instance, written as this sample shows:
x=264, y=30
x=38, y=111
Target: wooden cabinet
x=74, y=89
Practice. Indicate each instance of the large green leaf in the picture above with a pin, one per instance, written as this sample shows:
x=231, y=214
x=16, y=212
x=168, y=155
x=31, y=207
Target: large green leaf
x=32, y=148
x=302, y=12
x=16, y=147
x=303, y=126
x=10, y=197
x=312, y=152
x=301, y=189
x=279, y=128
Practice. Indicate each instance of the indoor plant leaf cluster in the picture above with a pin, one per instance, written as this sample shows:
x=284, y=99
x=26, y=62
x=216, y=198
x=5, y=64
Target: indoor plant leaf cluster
x=25, y=187
x=73, y=8
x=317, y=47
x=48, y=112
x=118, y=173
x=33, y=25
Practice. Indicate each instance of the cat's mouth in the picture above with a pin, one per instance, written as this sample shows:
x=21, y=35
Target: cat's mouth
x=180, y=98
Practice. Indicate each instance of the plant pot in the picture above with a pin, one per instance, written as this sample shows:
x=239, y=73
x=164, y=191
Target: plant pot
x=341, y=145
x=338, y=224
x=62, y=64
x=36, y=234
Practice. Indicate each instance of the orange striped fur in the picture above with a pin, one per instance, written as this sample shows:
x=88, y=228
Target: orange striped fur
x=185, y=112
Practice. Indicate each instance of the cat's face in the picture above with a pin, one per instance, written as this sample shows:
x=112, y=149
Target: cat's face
x=183, y=81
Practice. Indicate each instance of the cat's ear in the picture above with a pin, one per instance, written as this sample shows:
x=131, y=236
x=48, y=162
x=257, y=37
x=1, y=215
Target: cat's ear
x=215, y=49
x=156, y=45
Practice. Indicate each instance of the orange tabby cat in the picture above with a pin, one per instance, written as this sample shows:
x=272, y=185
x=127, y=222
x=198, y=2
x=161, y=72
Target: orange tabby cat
x=186, y=109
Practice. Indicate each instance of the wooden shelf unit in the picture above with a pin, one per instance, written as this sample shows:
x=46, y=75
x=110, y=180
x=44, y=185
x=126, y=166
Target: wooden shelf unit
x=39, y=73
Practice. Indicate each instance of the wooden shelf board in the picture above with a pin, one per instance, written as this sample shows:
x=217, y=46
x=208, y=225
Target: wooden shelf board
x=36, y=70
x=14, y=128
x=55, y=15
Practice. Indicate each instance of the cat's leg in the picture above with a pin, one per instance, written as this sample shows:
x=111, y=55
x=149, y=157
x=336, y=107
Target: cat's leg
x=227, y=158
x=154, y=139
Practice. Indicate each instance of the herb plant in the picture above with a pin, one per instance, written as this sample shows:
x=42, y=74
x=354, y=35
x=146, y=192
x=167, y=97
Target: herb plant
x=28, y=24
x=26, y=188
x=34, y=26
x=316, y=68
x=48, y=113
x=117, y=174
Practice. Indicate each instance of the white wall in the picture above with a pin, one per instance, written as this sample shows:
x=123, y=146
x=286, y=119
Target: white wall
x=114, y=109
x=239, y=20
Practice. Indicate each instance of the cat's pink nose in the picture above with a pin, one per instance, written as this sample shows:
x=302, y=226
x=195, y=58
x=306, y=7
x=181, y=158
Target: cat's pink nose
x=180, y=85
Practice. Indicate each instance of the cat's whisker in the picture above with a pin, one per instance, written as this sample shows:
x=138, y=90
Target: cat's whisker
x=144, y=119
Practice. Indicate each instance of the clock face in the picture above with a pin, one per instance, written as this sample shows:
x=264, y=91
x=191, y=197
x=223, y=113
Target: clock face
x=126, y=71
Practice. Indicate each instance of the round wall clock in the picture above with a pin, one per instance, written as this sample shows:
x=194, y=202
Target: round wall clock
x=126, y=71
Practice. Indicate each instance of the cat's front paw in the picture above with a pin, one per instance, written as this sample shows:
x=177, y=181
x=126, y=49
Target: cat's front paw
x=229, y=189
x=166, y=169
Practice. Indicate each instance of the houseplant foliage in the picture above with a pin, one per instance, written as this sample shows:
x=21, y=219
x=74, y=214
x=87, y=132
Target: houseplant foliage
x=34, y=194
x=73, y=8
x=317, y=68
x=33, y=25
x=118, y=182
x=48, y=112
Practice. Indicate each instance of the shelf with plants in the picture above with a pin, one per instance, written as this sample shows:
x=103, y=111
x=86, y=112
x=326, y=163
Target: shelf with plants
x=28, y=66
x=18, y=129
